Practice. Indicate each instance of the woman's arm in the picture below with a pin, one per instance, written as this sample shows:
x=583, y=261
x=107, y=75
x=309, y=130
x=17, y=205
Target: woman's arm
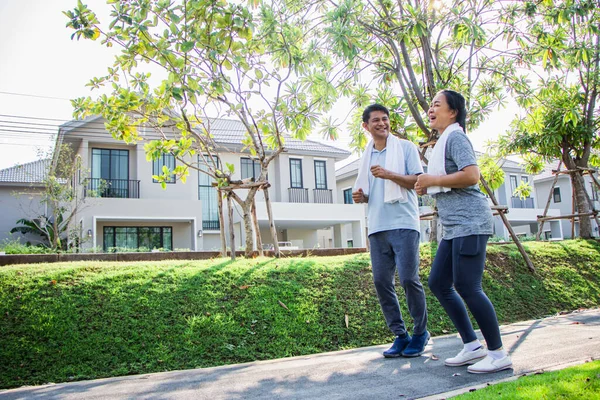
x=466, y=177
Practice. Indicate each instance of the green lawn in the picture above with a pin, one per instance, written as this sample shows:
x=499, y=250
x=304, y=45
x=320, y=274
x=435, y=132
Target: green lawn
x=577, y=383
x=73, y=321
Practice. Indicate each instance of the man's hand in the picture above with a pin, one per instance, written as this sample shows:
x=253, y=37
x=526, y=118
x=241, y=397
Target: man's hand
x=359, y=197
x=379, y=172
x=423, y=182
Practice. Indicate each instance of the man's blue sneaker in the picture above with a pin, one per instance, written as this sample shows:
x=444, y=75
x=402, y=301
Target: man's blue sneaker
x=400, y=344
x=417, y=345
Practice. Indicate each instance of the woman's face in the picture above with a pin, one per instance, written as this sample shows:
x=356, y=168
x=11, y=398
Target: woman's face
x=440, y=115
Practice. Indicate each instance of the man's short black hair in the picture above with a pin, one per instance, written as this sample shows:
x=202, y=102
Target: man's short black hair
x=374, y=107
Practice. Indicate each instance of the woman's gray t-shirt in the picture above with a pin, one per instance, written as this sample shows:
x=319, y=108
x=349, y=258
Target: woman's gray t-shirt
x=462, y=212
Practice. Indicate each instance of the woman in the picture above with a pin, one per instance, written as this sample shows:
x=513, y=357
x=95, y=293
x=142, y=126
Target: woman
x=466, y=220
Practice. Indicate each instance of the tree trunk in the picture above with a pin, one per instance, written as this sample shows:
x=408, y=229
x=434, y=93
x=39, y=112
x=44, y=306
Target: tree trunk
x=248, y=228
x=257, y=229
x=271, y=223
x=578, y=184
x=231, y=233
x=585, y=226
x=222, y=224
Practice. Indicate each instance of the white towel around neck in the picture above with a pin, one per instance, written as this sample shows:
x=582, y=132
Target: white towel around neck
x=437, y=160
x=394, y=161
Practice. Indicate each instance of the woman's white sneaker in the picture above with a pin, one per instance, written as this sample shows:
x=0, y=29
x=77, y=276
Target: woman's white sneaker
x=466, y=357
x=488, y=365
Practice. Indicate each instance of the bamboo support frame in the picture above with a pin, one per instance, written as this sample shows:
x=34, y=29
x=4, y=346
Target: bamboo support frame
x=573, y=216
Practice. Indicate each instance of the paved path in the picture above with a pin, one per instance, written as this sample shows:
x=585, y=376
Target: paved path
x=354, y=374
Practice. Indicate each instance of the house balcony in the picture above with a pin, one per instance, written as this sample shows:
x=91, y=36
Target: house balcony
x=300, y=195
x=113, y=188
x=323, y=196
x=209, y=225
x=516, y=202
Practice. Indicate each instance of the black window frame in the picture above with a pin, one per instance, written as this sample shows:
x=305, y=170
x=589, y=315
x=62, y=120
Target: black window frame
x=324, y=167
x=556, y=194
x=513, y=184
x=158, y=164
x=117, y=153
x=208, y=224
x=346, y=198
x=162, y=229
x=252, y=164
x=299, y=164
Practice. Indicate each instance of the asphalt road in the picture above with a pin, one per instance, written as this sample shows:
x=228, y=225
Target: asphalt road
x=354, y=374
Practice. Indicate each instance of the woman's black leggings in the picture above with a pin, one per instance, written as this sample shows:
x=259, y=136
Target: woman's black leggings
x=455, y=276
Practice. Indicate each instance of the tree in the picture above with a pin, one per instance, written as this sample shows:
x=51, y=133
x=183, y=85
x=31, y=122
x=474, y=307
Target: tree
x=421, y=47
x=416, y=48
x=251, y=62
x=561, y=119
x=60, y=200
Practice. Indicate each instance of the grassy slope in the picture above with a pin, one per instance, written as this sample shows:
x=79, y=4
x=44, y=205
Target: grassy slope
x=61, y=322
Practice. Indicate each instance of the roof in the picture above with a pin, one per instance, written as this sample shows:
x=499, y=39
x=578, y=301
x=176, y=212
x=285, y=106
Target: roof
x=230, y=132
x=33, y=172
x=348, y=168
x=547, y=171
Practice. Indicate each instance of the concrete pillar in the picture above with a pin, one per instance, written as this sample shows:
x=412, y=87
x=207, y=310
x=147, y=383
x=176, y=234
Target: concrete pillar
x=359, y=236
x=337, y=236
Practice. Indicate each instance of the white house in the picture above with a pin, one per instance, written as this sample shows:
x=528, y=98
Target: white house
x=522, y=213
x=561, y=198
x=128, y=209
x=20, y=188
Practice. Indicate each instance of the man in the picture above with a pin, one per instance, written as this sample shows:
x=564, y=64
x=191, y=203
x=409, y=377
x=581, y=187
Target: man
x=386, y=178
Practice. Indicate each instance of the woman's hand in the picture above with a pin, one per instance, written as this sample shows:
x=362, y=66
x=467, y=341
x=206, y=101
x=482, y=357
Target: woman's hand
x=423, y=182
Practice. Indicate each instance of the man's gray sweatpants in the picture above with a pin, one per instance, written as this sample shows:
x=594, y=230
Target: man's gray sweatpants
x=391, y=251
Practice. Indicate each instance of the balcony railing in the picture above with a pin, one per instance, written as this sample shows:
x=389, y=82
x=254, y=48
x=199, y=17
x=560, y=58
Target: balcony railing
x=323, y=196
x=516, y=202
x=298, y=195
x=116, y=188
x=211, y=225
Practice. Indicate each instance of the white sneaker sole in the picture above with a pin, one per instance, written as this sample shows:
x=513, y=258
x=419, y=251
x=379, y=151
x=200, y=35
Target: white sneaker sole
x=466, y=362
x=490, y=371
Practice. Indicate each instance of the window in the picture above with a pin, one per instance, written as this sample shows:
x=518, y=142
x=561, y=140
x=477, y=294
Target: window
x=320, y=174
x=348, y=196
x=167, y=160
x=110, y=173
x=513, y=184
x=594, y=191
x=250, y=168
x=110, y=164
x=556, y=195
x=350, y=243
x=296, y=173
x=208, y=195
x=134, y=237
x=525, y=179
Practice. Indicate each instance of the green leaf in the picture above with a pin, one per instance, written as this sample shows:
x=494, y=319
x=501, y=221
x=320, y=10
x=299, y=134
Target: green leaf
x=187, y=46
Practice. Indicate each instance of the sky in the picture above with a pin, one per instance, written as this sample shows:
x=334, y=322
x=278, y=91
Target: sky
x=41, y=69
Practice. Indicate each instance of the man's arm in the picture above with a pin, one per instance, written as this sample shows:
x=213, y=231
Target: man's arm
x=406, y=181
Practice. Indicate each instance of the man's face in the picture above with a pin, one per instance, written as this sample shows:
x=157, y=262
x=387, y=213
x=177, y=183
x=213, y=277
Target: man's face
x=378, y=124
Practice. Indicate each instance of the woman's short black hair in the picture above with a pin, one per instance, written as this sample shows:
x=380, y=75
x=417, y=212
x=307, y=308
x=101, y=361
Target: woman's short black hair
x=457, y=102
x=374, y=107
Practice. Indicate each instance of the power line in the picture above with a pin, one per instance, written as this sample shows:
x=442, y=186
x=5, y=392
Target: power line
x=34, y=95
